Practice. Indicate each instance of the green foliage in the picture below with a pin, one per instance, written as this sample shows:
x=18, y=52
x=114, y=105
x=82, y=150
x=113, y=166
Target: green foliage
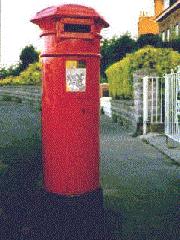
x=174, y=44
x=6, y=98
x=13, y=70
x=30, y=76
x=3, y=73
x=112, y=50
x=120, y=74
x=171, y=2
x=149, y=39
x=28, y=55
x=156, y=41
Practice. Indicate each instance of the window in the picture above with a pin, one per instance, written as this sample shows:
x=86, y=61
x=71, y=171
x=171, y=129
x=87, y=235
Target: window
x=177, y=30
x=75, y=76
x=163, y=36
x=168, y=35
x=77, y=28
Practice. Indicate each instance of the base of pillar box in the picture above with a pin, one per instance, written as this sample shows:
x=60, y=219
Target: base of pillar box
x=77, y=217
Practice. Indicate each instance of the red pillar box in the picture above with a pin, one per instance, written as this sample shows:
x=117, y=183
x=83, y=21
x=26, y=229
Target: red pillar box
x=70, y=100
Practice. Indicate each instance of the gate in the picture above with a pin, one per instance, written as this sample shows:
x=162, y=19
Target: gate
x=153, y=101
x=172, y=105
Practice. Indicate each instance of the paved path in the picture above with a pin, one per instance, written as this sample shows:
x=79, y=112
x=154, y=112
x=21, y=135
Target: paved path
x=18, y=122
x=165, y=145
x=140, y=186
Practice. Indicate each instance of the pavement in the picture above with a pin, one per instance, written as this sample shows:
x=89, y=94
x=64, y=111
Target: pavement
x=164, y=144
x=18, y=122
x=141, y=186
x=140, y=183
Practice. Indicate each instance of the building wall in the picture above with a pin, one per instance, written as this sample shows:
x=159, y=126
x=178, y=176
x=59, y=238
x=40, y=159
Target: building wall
x=168, y=27
x=147, y=25
x=158, y=7
x=170, y=23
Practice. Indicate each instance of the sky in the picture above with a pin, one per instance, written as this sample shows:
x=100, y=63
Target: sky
x=17, y=31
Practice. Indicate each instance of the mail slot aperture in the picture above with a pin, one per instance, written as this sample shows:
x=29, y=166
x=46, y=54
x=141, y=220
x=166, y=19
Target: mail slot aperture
x=77, y=28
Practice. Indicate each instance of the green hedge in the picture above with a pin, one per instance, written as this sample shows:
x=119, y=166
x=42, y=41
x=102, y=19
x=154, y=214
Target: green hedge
x=120, y=74
x=30, y=76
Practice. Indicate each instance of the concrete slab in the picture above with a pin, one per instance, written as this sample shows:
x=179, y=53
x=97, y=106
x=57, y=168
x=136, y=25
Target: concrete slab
x=164, y=145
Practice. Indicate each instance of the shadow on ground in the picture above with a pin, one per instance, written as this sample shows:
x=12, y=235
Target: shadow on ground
x=25, y=210
x=141, y=188
x=30, y=216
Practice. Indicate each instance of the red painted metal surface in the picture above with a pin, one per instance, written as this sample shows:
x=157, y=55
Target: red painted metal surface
x=70, y=119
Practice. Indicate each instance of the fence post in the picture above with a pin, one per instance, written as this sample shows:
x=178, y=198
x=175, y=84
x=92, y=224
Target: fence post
x=145, y=104
x=172, y=105
x=167, y=104
x=178, y=102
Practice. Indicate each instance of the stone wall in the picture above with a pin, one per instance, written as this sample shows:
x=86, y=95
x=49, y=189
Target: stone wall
x=130, y=112
x=22, y=93
x=123, y=112
x=138, y=95
x=138, y=92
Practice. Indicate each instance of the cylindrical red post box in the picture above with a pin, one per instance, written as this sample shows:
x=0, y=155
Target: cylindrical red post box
x=70, y=99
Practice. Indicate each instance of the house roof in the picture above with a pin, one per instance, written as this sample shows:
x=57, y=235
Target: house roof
x=168, y=11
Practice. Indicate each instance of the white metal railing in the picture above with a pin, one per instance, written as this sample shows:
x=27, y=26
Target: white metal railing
x=153, y=91
x=172, y=105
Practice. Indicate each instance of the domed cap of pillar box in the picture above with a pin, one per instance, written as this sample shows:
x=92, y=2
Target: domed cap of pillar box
x=68, y=10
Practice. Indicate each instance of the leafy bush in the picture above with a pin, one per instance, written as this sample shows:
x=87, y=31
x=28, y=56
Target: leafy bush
x=27, y=56
x=174, y=44
x=149, y=39
x=114, y=49
x=30, y=76
x=120, y=74
x=13, y=70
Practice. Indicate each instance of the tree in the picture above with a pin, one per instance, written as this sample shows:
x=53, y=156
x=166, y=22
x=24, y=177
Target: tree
x=120, y=74
x=172, y=2
x=174, y=44
x=28, y=55
x=114, y=49
x=3, y=73
x=13, y=70
x=149, y=39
